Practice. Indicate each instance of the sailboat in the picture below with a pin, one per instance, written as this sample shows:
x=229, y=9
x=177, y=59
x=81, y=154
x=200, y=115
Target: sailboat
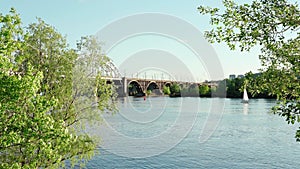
x=245, y=96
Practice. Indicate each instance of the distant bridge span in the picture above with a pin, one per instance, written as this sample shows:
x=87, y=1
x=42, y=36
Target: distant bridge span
x=139, y=86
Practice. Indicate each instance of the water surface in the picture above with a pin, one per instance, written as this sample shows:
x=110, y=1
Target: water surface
x=247, y=136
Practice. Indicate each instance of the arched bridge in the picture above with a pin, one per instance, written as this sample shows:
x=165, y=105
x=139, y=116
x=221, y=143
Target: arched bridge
x=138, y=86
x=141, y=87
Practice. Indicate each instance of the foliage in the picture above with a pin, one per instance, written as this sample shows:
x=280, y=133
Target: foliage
x=273, y=25
x=166, y=90
x=254, y=80
x=175, y=89
x=43, y=106
x=234, y=87
x=148, y=92
x=204, y=90
x=88, y=82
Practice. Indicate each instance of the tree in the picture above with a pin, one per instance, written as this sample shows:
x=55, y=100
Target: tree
x=204, y=90
x=234, y=87
x=166, y=90
x=148, y=92
x=274, y=25
x=43, y=107
x=175, y=90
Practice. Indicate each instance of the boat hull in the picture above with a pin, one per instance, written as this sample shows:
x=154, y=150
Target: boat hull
x=245, y=101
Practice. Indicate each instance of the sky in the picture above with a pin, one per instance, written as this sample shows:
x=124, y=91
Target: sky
x=77, y=18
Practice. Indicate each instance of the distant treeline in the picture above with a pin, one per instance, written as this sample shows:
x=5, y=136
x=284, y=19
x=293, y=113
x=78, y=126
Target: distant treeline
x=234, y=89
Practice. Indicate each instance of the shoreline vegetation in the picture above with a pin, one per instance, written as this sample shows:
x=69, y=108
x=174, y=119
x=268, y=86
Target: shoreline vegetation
x=47, y=95
x=234, y=89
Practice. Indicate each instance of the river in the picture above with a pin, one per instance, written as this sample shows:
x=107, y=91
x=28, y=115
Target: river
x=163, y=132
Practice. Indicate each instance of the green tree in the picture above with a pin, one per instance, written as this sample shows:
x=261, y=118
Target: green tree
x=175, y=89
x=257, y=78
x=234, y=87
x=43, y=106
x=166, y=90
x=274, y=25
x=204, y=90
x=148, y=92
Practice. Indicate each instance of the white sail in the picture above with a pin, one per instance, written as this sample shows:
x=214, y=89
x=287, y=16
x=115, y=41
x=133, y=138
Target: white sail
x=245, y=96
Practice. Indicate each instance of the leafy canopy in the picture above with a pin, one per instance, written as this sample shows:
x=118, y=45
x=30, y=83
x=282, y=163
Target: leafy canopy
x=46, y=99
x=273, y=25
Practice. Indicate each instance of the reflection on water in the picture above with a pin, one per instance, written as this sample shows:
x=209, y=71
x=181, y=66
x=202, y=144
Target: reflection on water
x=246, y=137
x=245, y=108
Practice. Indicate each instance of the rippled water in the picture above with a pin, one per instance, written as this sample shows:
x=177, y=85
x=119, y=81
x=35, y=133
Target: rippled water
x=247, y=136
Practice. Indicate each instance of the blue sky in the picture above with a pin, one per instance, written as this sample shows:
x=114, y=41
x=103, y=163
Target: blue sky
x=76, y=18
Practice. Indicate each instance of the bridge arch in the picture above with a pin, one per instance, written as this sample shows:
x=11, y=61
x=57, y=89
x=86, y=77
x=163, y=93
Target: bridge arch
x=153, y=88
x=167, y=84
x=135, y=88
x=181, y=85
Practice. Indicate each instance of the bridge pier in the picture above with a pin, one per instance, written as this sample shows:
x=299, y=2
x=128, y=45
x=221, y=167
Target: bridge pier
x=121, y=87
x=125, y=87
